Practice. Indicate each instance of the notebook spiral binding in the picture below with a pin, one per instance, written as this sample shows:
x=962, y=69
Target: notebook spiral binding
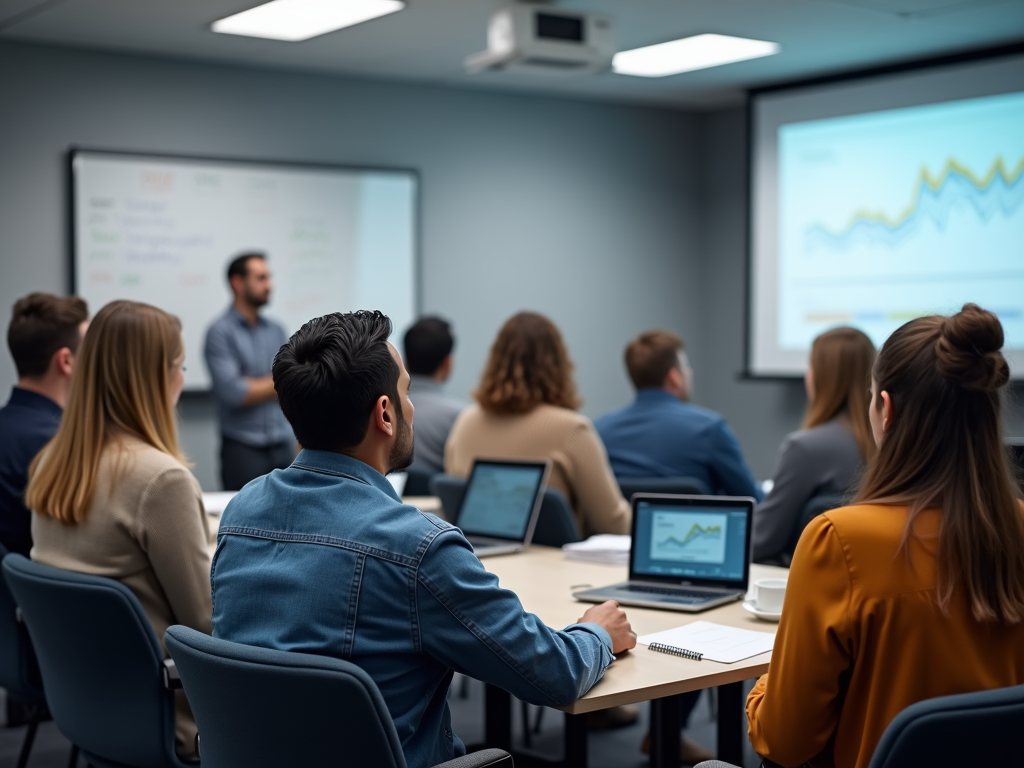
x=676, y=651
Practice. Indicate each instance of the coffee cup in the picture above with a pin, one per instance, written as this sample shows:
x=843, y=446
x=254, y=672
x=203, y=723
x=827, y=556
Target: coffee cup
x=770, y=595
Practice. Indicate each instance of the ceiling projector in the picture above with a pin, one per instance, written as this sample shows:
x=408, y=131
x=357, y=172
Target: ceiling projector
x=542, y=40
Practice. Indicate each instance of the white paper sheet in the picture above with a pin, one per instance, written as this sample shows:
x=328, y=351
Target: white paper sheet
x=716, y=641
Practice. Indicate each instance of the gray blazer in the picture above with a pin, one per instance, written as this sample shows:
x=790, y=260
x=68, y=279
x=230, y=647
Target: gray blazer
x=823, y=460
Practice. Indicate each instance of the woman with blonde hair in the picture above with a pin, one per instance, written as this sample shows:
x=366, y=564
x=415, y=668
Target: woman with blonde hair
x=111, y=494
x=917, y=590
x=827, y=456
x=525, y=409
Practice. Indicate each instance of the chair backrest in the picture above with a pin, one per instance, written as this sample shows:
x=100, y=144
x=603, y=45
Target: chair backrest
x=417, y=482
x=556, y=523
x=969, y=729
x=19, y=671
x=101, y=664
x=815, y=506
x=691, y=486
x=325, y=712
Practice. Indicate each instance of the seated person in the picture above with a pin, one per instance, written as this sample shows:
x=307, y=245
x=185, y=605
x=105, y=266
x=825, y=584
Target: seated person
x=324, y=558
x=827, y=456
x=662, y=434
x=43, y=337
x=917, y=591
x=111, y=494
x=526, y=409
x=428, y=358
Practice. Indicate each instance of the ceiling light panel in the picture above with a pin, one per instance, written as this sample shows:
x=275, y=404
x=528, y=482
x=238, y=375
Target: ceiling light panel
x=690, y=53
x=295, y=20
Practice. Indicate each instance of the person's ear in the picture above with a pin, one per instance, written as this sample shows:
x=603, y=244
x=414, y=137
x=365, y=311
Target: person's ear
x=674, y=380
x=887, y=410
x=63, y=361
x=384, y=419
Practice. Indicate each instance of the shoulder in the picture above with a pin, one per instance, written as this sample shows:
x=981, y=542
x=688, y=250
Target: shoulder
x=154, y=468
x=696, y=416
x=556, y=416
x=823, y=436
x=867, y=528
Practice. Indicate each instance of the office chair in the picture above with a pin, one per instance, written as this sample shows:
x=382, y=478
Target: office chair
x=814, y=507
x=967, y=729
x=19, y=670
x=417, y=482
x=108, y=686
x=689, y=486
x=262, y=708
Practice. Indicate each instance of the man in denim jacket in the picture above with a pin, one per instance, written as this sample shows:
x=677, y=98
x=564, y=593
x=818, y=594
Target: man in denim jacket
x=324, y=558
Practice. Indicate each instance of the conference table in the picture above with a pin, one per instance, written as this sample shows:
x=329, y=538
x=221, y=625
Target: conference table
x=544, y=579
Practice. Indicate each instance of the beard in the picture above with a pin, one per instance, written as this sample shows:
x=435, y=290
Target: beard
x=402, y=450
x=257, y=300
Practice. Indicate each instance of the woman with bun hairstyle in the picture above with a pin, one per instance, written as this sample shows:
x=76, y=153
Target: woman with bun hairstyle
x=827, y=456
x=917, y=590
x=111, y=494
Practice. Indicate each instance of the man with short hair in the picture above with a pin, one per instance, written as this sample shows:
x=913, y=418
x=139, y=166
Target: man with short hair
x=324, y=558
x=240, y=348
x=428, y=358
x=663, y=434
x=44, y=336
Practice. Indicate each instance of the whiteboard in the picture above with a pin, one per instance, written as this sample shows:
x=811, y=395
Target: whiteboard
x=162, y=230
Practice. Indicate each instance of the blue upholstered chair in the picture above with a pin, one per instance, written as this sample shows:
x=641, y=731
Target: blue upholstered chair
x=688, y=486
x=107, y=684
x=261, y=708
x=961, y=731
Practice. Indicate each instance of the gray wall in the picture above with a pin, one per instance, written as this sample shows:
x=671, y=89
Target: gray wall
x=583, y=211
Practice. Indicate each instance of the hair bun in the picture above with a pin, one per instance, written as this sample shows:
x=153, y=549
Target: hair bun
x=968, y=351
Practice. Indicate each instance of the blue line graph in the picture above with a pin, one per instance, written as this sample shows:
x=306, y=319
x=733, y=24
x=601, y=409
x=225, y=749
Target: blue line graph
x=1000, y=192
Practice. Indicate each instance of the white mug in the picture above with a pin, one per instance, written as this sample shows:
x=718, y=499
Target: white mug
x=770, y=595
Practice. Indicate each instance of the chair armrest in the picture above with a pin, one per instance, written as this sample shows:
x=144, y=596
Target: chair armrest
x=172, y=680
x=485, y=758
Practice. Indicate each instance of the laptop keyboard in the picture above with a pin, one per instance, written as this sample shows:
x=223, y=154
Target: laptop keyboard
x=673, y=591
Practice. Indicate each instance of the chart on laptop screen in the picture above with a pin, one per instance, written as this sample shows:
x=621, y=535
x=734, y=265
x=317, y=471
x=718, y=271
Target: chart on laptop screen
x=499, y=500
x=689, y=537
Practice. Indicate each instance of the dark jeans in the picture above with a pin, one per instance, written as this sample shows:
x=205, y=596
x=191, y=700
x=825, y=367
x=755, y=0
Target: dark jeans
x=240, y=463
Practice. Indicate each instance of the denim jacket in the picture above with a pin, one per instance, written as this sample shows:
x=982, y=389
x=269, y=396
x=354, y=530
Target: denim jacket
x=324, y=558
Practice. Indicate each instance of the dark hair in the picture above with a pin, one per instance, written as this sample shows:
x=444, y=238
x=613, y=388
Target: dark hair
x=427, y=344
x=650, y=356
x=240, y=264
x=528, y=366
x=329, y=375
x=40, y=325
x=944, y=449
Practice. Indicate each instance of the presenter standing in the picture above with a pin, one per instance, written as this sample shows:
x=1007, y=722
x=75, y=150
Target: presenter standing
x=240, y=348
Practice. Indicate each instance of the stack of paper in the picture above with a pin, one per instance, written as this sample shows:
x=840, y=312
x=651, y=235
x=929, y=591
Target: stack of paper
x=716, y=642
x=604, y=548
x=215, y=501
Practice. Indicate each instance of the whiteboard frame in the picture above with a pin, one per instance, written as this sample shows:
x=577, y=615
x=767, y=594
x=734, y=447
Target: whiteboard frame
x=417, y=225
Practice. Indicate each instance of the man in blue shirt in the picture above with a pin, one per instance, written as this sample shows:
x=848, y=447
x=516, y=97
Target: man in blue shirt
x=324, y=558
x=240, y=348
x=662, y=434
x=43, y=337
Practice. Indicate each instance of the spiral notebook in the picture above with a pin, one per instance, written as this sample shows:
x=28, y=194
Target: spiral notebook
x=713, y=642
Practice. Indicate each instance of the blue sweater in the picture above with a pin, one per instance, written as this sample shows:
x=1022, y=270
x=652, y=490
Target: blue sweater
x=661, y=436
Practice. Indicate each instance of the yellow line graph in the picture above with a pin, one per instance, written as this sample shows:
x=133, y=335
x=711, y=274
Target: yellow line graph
x=935, y=183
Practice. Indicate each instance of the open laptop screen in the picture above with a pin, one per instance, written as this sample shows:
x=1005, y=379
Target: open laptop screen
x=690, y=541
x=500, y=498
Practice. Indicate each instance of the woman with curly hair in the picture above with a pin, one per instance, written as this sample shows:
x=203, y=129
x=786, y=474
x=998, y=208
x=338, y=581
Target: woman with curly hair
x=525, y=409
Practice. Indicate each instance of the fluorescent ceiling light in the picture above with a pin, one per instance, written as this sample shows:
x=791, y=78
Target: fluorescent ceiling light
x=690, y=53
x=295, y=20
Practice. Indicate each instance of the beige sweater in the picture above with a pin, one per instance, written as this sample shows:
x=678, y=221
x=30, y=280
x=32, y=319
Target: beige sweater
x=146, y=528
x=579, y=469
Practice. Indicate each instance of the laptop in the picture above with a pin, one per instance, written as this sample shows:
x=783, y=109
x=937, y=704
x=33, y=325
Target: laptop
x=689, y=553
x=501, y=503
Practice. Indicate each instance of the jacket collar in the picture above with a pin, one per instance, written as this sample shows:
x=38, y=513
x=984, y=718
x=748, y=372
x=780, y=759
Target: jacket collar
x=340, y=465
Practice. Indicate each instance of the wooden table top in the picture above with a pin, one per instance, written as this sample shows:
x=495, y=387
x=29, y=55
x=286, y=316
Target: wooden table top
x=543, y=579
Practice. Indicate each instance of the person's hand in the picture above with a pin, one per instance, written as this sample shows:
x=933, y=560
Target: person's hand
x=615, y=623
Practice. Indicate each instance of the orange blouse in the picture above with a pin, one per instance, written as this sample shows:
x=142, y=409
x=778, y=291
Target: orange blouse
x=862, y=638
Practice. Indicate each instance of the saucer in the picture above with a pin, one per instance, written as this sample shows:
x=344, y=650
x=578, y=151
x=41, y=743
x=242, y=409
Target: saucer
x=751, y=607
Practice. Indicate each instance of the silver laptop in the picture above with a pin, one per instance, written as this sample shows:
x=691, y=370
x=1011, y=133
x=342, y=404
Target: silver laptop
x=500, y=506
x=689, y=553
